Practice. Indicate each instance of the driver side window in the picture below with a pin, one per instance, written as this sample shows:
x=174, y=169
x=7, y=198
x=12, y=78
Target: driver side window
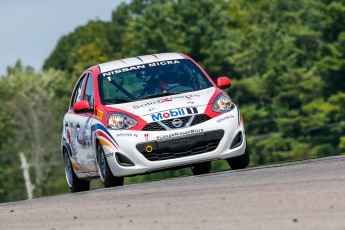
x=77, y=92
x=89, y=96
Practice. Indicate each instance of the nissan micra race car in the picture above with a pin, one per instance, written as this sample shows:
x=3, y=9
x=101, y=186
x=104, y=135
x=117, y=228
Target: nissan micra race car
x=149, y=113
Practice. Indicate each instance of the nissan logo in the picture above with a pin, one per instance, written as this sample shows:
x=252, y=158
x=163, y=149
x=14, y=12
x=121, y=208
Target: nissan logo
x=177, y=123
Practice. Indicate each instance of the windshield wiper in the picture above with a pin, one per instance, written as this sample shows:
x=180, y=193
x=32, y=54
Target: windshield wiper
x=114, y=101
x=159, y=95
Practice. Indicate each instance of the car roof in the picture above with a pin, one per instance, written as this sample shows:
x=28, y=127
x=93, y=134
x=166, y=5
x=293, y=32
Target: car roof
x=139, y=60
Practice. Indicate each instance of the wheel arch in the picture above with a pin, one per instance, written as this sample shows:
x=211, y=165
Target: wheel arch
x=97, y=143
x=66, y=146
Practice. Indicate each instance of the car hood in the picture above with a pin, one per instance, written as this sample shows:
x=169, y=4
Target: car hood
x=198, y=99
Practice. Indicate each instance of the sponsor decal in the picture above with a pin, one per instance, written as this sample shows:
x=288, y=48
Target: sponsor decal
x=163, y=63
x=99, y=114
x=173, y=113
x=126, y=135
x=179, y=134
x=146, y=135
x=109, y=154
x=167, y=99
x=144, y=66
x=123, y=70
x=90, y=156
x=225, y=118
x=84, y=138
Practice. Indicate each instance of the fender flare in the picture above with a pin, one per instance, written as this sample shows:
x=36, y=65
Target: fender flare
x=67, y=146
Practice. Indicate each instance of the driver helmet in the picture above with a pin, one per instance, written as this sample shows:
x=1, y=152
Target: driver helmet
x=169, y=79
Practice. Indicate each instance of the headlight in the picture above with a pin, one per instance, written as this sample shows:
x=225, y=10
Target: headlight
x=120, y=121
x=222, y=104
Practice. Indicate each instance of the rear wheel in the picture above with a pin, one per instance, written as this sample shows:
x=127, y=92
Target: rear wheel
x=107, y=177
x=74, y=183
x=240, y=162
x=201, y=168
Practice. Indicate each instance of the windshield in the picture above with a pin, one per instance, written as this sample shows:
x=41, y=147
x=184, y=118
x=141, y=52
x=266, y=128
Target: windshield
x=150, y=80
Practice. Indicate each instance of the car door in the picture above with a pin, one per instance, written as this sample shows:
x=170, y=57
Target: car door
x=70, y=118
x=79, y=125
x=85, y=121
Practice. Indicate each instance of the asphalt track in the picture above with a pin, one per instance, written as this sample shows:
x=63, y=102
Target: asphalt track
x=303, y=195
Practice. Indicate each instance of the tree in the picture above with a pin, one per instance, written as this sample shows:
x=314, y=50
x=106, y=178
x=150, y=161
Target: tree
x=285, y=58
x=33, y=119
x=86, y=46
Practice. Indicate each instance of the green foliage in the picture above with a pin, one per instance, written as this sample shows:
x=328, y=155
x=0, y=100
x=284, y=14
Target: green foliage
x=342, y=144
x=87, y=46
x=278, y=149
x=286, y=60
x=31, y=123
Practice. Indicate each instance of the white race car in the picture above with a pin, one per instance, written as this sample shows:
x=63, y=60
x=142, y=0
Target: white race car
x=149, y=113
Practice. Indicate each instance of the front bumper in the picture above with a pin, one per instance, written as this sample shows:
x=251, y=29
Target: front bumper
x=150, y=151
x=181, y=146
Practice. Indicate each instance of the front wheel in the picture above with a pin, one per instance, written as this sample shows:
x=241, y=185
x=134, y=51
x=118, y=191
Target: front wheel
x=74, y=183
x=107, y=177
x=240, y=162
x=201, y=168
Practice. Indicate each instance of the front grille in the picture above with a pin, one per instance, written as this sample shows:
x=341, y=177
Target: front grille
x=200, y=119
x=189, y=145
x=183, y=119
x=167, y=153
x=155, y=126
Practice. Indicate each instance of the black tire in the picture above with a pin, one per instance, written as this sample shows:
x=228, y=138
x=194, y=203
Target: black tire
x=240, y=162
x=201, y=168
x=107, y=177
x=74, y=183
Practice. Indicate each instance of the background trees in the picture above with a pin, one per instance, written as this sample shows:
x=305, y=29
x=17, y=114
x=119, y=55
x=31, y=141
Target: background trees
x=32, y=103
x=286, y=60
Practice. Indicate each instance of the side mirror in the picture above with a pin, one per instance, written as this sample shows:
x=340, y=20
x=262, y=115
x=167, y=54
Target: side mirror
x=82, y=107
x=223, y=82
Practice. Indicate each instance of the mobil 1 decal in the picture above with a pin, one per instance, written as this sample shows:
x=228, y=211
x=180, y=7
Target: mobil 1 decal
x=174, y=113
